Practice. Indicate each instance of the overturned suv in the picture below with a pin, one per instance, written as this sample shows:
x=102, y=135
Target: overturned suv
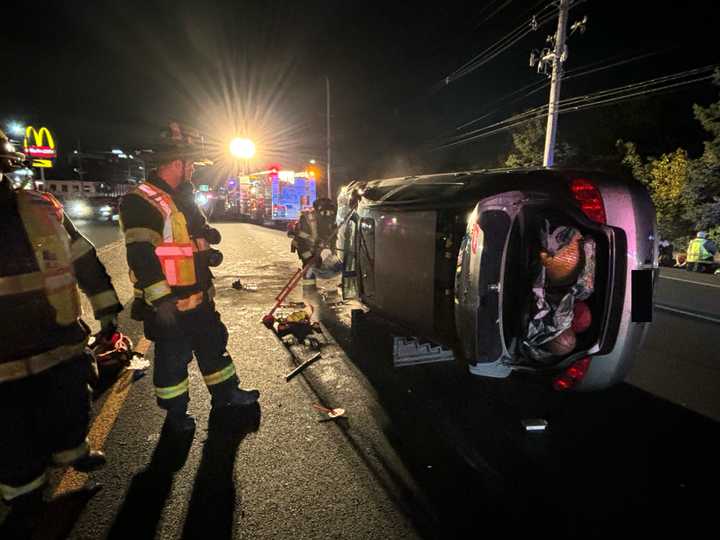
x=546, y=271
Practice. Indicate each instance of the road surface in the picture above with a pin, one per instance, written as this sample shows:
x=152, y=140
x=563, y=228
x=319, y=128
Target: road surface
x=425, y=451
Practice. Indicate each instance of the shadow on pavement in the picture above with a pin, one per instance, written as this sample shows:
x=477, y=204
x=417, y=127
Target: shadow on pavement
x=616, y=458
x=144, y=502
x=211, y=513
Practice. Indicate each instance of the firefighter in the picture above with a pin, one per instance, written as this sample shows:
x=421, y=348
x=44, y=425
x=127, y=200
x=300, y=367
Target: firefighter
x=45, y=364
x=701, y=253
x=314, y=241
x=168, y=251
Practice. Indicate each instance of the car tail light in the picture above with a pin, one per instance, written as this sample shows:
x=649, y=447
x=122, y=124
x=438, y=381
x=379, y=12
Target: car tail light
x=591, y=202
x=572, y=375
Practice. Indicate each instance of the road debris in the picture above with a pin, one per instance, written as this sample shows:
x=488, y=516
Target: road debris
x=302, y=366
x=240, y=286
x=138, y=363
x=332, y=413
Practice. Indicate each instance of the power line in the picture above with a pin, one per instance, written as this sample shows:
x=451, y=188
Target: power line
x=538, y=86
x=574, y=108
x=495, y=12
x=598, y=95
x=589, y=101
x=498, y=47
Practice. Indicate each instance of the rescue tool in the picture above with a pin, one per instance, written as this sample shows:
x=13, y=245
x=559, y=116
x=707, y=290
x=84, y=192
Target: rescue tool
x=269, y=319
x=302, y=366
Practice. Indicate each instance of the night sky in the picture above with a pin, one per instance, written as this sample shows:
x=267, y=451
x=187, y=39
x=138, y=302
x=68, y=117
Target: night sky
x=108, y=74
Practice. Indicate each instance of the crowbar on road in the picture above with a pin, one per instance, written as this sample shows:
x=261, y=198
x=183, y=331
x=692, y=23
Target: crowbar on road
x=302, y=366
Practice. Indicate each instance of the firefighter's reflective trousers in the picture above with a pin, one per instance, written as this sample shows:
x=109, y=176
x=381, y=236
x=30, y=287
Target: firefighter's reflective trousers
x=44, y=420
x=200, y=332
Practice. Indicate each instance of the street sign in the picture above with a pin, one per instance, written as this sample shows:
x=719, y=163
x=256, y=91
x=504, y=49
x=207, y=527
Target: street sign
x=42, y=163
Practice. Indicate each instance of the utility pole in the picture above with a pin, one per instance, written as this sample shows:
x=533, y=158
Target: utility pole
x=329, y=177
x=557, y=57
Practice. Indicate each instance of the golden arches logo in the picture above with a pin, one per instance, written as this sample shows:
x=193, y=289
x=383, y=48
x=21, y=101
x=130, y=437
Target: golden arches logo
x=38, y=137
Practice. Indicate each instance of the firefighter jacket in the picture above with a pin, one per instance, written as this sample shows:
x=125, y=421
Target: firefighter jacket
x=45, y=260
x=312, y=234
x=166, y=248
x=700, y=250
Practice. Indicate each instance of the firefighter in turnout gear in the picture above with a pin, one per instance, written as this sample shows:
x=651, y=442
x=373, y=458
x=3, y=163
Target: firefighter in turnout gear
x=314, y=240
x=168, y=244
x=44, y=360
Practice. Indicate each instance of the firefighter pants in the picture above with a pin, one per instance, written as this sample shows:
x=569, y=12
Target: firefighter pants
x=200, y=332
x=44, y=420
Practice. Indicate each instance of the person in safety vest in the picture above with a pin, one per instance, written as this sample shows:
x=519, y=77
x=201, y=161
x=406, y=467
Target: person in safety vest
x=168, y=251
x=314, y=241
x=701, y=253
x=45, y=364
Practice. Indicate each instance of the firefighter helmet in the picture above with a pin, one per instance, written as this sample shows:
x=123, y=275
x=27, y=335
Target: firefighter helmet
x=10, y=159
x=325, y=207
x=178, y=142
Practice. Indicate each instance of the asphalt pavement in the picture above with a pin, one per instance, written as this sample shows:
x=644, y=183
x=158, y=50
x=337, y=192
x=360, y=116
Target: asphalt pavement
x=425, y=452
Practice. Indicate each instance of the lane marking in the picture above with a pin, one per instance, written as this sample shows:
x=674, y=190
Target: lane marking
x=691, y=281
x=100, y=428
x=688, y=313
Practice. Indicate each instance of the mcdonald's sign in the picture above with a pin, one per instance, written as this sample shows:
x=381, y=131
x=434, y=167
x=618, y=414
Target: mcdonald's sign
x=39, y=143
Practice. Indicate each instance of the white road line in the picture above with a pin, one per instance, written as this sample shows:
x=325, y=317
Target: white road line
x=688, y=313
x=691, y=281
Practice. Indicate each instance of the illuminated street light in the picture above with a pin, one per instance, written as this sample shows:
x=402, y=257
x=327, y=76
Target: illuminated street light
x=242, y=148
x=313, y=162
x=16, y=129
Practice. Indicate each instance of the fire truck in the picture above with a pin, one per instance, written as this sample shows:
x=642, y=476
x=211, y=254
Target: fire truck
x=269, y=196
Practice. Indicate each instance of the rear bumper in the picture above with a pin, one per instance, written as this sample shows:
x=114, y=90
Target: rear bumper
x=629, y=209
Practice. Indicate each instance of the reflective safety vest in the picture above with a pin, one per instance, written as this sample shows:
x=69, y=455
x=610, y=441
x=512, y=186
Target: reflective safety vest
x=176, y=252
x=53, y=279
x=696, y=251
x=51, y=247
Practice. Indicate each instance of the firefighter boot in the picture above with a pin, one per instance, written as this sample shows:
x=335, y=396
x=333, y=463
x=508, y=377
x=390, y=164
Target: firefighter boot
x=180, y=422
x=92, y=461
x=238, y=398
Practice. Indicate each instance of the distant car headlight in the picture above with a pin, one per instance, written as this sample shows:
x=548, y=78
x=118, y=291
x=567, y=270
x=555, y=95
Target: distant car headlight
x=78, y=209
x=201, y=199
x=106, y=210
